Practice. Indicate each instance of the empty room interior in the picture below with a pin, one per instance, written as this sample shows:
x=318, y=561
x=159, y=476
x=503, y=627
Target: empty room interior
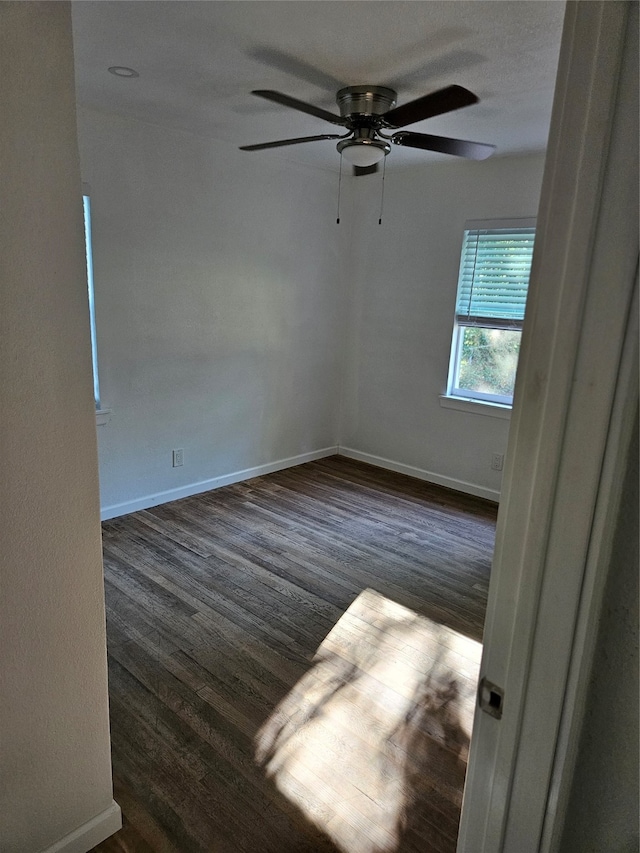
x=237, y=321
x=303, y=358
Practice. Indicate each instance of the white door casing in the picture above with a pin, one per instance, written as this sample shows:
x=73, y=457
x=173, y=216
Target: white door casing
x=575, y=397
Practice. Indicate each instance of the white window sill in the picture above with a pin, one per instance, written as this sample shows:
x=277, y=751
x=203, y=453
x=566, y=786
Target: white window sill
x=478, y=407
x=103, y=416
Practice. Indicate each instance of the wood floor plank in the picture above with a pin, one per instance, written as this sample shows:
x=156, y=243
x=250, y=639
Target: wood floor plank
x=293, y=662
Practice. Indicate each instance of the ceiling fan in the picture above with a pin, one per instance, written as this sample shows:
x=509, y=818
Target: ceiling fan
x=367, y=111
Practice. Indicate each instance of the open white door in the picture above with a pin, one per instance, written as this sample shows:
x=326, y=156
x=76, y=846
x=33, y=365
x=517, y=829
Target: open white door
x=576, y=395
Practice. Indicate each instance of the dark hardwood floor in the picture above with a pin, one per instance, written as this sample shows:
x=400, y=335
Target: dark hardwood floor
x=293, y=662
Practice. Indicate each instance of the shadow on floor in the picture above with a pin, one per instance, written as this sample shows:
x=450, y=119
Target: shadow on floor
x=372, y=742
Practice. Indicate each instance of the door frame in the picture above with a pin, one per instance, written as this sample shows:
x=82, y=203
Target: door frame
x=575, y=399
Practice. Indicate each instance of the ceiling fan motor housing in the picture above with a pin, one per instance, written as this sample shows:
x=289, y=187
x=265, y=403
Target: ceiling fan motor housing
x=361, y=106
x=357, y=101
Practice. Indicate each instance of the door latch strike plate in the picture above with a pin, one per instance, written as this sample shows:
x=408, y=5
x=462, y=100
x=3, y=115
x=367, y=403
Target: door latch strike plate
x=490, y=698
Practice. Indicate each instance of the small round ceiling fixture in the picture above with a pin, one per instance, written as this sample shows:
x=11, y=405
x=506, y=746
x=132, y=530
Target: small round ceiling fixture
x=123, y=71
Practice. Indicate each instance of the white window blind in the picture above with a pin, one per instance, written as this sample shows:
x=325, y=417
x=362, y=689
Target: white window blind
x=494, y=276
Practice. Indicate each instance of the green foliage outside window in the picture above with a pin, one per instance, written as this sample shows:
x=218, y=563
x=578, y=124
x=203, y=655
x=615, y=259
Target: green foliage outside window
x=489, y=360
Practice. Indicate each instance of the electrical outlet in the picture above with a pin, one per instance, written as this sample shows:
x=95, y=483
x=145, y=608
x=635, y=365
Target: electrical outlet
x=497, y=461
x=178, y=458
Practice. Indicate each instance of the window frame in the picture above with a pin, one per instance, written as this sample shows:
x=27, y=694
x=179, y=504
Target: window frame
x=454, y=391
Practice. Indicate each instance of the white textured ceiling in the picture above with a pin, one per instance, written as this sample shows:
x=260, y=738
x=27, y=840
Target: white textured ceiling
x=198, y=62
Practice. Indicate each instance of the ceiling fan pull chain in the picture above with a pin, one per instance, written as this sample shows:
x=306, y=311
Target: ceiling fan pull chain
x=384, y=170
x=339, y=186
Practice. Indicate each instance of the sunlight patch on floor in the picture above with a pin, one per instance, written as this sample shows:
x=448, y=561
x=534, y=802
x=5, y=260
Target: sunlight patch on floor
x=372, y=742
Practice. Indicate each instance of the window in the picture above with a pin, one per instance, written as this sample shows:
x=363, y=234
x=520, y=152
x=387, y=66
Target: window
x=86, y=207
x=492, y=294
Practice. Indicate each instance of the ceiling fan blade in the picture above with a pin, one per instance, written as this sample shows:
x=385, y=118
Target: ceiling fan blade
x=280, y=142
x=365, y=170
x=443, y=101
x=444, y=145
x=295, y=104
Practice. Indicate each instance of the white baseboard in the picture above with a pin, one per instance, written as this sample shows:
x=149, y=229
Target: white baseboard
x=90, y=833
x=420, y=474
x=215, y=483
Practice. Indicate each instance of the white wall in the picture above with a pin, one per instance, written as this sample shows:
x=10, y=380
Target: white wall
x=56, y=769
x=219, y=303
x=404, y=275
x=603, y=809
x=236, y=320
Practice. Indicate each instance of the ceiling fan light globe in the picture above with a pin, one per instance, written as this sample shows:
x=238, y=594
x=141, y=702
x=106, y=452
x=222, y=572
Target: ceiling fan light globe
x=363, y=152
